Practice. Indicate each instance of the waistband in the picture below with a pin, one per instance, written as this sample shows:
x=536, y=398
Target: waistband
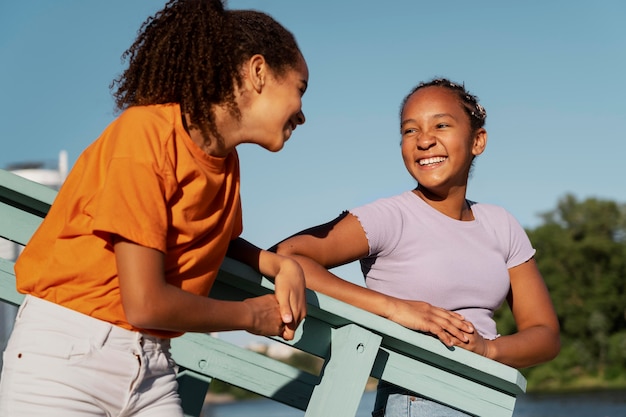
x=52, y=315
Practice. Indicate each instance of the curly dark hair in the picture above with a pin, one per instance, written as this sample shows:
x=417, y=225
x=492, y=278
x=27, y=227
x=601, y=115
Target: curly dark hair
x=191, y=52
x=476, y=112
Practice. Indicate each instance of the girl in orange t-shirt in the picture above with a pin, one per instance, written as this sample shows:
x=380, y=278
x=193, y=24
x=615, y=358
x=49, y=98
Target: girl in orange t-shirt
x=129, y=251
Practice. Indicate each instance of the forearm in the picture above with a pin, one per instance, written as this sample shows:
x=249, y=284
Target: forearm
x=288, y=279
x=318, y=278
x=170, y=308
x=267, y=263
x=537, y=339
x=526, y=348
x=150, y=302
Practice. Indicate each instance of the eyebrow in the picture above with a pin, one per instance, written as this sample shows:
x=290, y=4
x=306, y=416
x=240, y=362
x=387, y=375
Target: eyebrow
x=434, y=116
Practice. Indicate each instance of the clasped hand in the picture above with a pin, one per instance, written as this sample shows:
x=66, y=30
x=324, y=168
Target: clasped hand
x=449, y=327
x=279, y=314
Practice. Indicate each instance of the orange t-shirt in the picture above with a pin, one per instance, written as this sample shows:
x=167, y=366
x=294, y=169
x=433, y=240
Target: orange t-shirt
x=146, y=180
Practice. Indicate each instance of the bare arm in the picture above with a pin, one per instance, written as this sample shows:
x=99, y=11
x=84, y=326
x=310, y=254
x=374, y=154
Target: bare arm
x=288, y=280
x=342, y=241
x=151, y=303
x=537, y=339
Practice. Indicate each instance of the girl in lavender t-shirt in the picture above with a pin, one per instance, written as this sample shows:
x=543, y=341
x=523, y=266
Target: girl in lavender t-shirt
x=434, y=261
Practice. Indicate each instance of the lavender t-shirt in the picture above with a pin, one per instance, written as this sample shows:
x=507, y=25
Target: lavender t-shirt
x=418, y=253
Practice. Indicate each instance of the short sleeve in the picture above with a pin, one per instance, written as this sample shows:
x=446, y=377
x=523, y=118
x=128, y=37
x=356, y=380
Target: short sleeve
x=132, y=197
x=520, y=247
x=382, y=222
x=132, y=204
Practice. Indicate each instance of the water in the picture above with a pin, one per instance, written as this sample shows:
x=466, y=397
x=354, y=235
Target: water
x=585, y=404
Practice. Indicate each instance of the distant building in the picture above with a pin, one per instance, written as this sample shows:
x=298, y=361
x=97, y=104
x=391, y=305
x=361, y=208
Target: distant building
x=52, y=175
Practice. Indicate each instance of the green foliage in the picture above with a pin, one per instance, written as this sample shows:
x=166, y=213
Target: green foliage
x=581, y=253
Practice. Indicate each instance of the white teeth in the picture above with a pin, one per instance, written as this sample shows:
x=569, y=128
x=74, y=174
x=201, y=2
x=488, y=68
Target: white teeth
x=429, y=161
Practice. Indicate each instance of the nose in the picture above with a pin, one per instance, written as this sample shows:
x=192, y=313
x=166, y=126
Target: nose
x=300, y=119
x=426, y=141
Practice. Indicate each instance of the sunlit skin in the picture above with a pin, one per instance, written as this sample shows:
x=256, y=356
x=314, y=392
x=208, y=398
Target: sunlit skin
x=438, y=148
x=270, y=109
x=270, y=105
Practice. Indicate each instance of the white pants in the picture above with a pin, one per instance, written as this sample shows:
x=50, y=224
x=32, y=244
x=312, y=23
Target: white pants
x=61, y=362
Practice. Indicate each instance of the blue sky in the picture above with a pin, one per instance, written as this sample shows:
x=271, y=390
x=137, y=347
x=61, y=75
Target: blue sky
x=549, y=73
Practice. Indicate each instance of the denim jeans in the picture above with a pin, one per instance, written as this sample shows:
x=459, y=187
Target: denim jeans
x=392, y=401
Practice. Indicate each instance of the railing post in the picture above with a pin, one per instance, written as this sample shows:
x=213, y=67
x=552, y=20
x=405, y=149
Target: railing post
x=192, y=388
x=353, y=351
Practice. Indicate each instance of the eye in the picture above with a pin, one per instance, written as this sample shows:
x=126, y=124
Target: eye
x=408, y=131
x=442, y=125
x=302, y=88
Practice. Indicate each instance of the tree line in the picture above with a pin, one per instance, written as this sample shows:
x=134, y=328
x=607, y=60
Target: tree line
x=581, y=253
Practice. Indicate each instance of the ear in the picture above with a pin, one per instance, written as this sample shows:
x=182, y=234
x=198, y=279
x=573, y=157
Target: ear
x=480, y=142
x=256, y=71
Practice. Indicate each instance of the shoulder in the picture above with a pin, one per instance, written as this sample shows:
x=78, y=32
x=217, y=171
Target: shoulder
x=393, y=203
x=383, y=220
x=491, y=212
x=140, y=129
x=155, y=116
x=499, y=221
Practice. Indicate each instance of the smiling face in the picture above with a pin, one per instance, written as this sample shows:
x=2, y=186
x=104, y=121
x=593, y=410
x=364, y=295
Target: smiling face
x=276, y=110
x=438, y=142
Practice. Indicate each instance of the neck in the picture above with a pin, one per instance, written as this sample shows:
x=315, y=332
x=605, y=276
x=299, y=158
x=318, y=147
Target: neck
x=453, y=205
x=207, y=141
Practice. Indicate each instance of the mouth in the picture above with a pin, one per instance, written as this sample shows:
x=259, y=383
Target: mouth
x=431, y=161
x=289, y=129
x=288, y=132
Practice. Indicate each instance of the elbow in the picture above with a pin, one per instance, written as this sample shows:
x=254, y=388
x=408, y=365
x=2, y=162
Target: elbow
x=284, y=249
x=556, y=346
x=141, y=316
x=138, y=319
x=554, y=330
x=551, y=347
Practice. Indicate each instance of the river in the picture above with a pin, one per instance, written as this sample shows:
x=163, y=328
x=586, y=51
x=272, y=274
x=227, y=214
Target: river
x=581, y=404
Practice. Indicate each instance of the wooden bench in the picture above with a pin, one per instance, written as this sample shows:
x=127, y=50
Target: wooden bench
x=353, y=344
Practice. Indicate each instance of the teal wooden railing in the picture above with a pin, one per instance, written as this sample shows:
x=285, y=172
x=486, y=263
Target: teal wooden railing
x=353, y=344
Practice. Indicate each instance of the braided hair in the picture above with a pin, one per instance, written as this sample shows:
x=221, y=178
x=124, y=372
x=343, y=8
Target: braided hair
x=191, y=52
x=476, y=112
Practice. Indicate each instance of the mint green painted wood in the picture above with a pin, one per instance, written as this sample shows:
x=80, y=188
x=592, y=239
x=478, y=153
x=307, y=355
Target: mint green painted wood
x=443, y=386
x=26, y=193
x=8, y=293
x=353, y=343
x=252, y=371
x=17, y=225
x=23, y=203
x=353, y=351
x=192, y=389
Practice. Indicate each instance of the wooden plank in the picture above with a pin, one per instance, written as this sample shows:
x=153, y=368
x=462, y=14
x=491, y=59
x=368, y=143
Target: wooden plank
x=243, y=368
x=353, y=351
x=192, y=389
x=17, y=225
x=8, y=293
x=442, y=386
x=25, y=194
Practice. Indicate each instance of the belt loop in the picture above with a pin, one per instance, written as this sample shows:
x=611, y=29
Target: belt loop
x=23, y=305
x=100, y=336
